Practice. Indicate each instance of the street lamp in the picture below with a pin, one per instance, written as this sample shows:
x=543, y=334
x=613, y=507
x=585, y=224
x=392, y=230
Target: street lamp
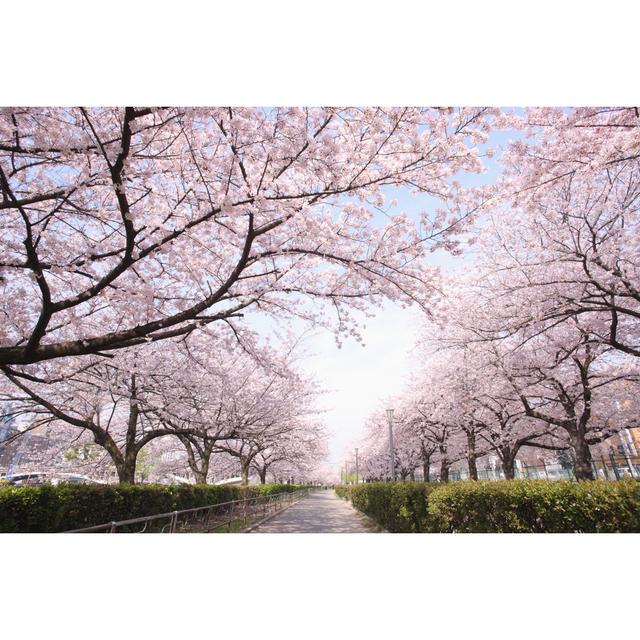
x=392, y=466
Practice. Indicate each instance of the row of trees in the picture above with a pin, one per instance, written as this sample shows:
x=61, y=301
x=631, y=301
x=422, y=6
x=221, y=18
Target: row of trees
x=249, y=411
x=537, y=344
x=139, y=245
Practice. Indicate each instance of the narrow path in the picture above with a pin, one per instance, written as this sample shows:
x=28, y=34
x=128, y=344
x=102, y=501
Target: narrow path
x=321, y=512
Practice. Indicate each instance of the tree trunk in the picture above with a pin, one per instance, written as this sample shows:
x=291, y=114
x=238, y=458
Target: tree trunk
x=244, y=471
x=125, y=465
x=471, y=455
x=127, y=470
x=426, y=469
x=583, y=467
x=200, y=469
x=507, y=460
x=204, y=469
x=444, y=471
x=199, y=475
x=263, y=475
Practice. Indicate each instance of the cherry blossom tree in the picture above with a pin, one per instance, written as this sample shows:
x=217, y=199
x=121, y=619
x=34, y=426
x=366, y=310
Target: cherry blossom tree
x=573, y=186
x=570, y=385
x=550, y=387
x=108, y=400
x=295, y=454
x=506, y=428
x=249, y=406
x=478, y=378
x=266, y=425
x=374, y=456
x=128, y=225
x=558, y=390
x=423, y=431
x=535, y=345
x=201, y=391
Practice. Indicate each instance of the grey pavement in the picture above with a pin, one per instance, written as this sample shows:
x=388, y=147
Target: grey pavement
x=321, y=512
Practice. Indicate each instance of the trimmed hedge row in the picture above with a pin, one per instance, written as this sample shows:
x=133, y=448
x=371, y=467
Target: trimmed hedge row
x=511, y=506
x=400, y=507
x=537, y=506
x=49, y=508
x=343, y=491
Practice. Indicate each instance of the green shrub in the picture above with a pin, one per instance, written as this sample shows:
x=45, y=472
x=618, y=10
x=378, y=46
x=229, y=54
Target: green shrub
x=399, y=507
x=343, y=491
x=536, y=506
x=49, y=508
x=512, y=506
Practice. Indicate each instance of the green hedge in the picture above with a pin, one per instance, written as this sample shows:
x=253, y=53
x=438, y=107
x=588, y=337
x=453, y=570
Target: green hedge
x=537, y=506
x=49, y=508
x=513, y=506
x=343, y=491
x=398, y=507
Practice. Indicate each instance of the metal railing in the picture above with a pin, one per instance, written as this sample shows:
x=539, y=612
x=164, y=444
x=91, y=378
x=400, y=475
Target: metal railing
x=610, y=468
x=604, y=468
x=235, y=515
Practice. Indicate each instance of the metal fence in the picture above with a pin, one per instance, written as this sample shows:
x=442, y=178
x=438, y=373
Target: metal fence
x=532, y=472
x=604, y=468
x=235, y=515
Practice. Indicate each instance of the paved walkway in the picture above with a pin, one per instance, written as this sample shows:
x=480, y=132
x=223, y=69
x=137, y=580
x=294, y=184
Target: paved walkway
x=321, y=512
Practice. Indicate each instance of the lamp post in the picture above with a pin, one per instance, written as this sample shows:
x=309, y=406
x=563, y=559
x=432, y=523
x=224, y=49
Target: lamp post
x=392, y=466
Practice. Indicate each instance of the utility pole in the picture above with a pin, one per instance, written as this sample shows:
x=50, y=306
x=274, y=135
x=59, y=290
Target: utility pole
x=357, y=470
x=392, y=466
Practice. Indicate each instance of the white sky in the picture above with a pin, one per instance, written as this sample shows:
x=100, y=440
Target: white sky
x=357, y=378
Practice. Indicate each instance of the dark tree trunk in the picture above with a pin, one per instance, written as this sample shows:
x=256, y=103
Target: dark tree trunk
x=583, y=467
x=196, y=469
x=125, y=464
x=127, y=470
x=199, y=464
x=263, y=475
x=444, y=470
x=426, y=469
x=200, y=475
x=471, y=455
x=508, y=460
x=444, y=462
x=244, y=471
